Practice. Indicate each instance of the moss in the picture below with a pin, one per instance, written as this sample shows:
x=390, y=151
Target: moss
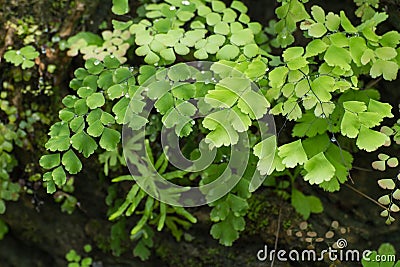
x=257, y=218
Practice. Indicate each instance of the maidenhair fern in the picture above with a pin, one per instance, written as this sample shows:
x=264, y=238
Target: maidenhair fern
x=317, y=86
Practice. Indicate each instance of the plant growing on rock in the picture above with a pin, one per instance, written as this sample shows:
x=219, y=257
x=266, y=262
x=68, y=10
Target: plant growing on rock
x=316, y=89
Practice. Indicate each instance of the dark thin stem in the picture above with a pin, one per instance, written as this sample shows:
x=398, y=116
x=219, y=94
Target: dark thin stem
x=277, y=235
x=366, y=196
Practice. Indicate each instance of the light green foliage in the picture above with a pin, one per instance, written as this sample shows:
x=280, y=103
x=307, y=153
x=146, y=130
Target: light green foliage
x=120, y=7
x=228, y=214
x=366, y=8
x=384, y=257
x=305, y=205
x=390, y=201
x=316, y=87
x=24, y=57
x=12, y=133
x=115, y=43
x=303, y=92
x=76, y=260
x=289, y=14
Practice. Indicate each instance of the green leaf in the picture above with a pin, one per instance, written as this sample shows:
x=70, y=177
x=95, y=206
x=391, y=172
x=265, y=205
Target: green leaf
x=89, y=37
x=152, y=58
x=203, y=10
x=355, y=106
x=309, y=125
x=87, y=248
x=292, y=154
x=106, y=118
x=165, y=103
x=69, y=101
x=51, y=186
x=179, y=72
x=221, y=98
x=305, y=205
x=278, y=76
x=120, y=7
x=385, y=53
x=168, y=54
x=105, y=79
x=227, y=230
x=13, y=57
x=367, y=56
x=318, y=13
x=94, y=116
x=390, y=39
x=59, y=176
x=319, y=169
x=141, y=251
x=201, y=54
x=184, y=91
x=370, y=140
x=321, y=86
x=342, y=161
x=95, y=100
x=346, y=24
x=246, y=101
x=3, y=225
x=239, y=6
x=49, y=161
x=337, y=56
x=357, y=47
x=383, y=109
x=221, y=134
x=27, y=64
x=116, y=91
x=229, y=15
x=85, y=91
x=339, y=39
x=95, y=129
x=350, y=125
x=59, y=140
x=242, y=37
x=71, y=162
x=228, y=52
x=136, y=122
x=181, y=49
x=317, y=30
x=291, y=109
x=222, y=28
x=184, y=15
x=370, y=119
x=2, y=206
x=109, y=139
x=297, y=63
x=29, y=52
x=119, y=109
x=388, y=69
x=265, y=151
x=111, y=62
x=332, y=21
x=83, y=143
x=315, y=47
x=256, y=69
x=251, y=50
x=77, y=124
x=158, y=88
x=94, y=66
x=121, y=75
x=86, y=262
x=90, y=81
x=213, y=18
